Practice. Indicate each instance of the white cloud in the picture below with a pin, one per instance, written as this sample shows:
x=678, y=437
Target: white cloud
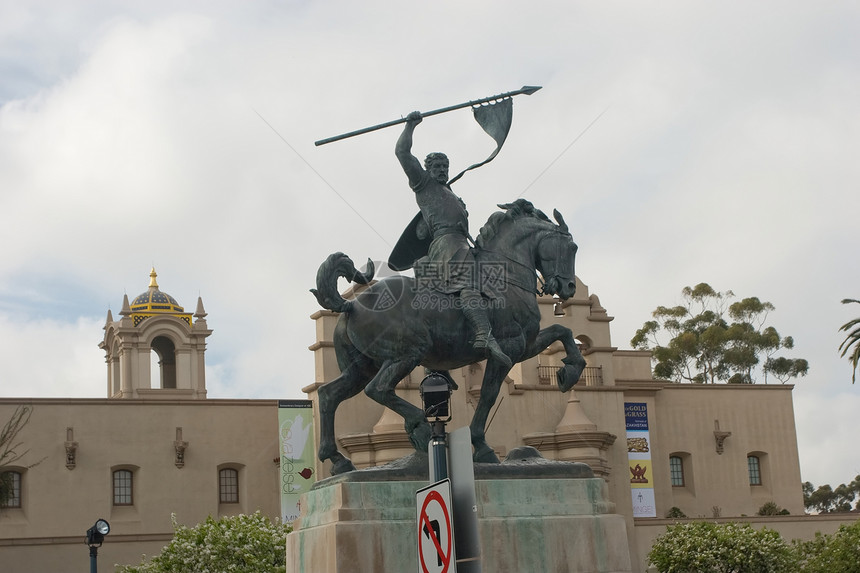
x=826, y=456
x=130, y=136
x=51, y=358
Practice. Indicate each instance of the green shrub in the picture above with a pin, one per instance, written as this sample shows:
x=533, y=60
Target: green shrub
x=704, y=547
x=771, y=508
x=839, y=552
x=241, y=543
x=675, y=513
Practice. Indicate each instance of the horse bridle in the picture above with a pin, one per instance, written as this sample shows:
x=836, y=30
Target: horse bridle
x=543, y=283
x=530, y=290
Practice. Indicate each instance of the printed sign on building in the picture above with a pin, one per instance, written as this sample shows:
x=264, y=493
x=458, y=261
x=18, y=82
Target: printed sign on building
x=295, y=437
x=639, y=458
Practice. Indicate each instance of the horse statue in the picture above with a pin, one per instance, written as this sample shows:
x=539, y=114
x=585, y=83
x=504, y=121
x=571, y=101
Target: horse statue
x=399, y=323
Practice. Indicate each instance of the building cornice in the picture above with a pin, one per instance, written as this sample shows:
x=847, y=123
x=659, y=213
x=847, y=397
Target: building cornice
x=137, y=402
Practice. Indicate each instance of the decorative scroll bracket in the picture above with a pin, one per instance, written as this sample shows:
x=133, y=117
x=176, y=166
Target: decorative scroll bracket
x=179, y=448
x=720, y=436
x=71, y=449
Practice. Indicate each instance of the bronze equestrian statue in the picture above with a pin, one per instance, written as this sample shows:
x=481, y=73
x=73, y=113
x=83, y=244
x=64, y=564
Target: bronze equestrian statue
x=464, y=305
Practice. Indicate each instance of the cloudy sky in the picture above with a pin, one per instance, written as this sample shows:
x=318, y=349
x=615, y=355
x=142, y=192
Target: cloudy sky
x=684, y=142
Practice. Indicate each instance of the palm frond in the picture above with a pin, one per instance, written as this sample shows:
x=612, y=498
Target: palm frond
x=851, y=344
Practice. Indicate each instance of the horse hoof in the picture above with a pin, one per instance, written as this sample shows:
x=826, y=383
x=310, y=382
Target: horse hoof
x=486, y=455
x=342, y=466
x=420, y=436
x=568, y=376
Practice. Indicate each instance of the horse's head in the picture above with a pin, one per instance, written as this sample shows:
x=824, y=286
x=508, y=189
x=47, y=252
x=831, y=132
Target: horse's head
x=525, y=236
x=556, y=260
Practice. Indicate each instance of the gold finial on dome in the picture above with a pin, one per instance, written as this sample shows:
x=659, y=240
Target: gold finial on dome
x=154, y=301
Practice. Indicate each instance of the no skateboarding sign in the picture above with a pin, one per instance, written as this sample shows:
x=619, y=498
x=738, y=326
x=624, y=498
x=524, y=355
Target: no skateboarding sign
x=435, y=529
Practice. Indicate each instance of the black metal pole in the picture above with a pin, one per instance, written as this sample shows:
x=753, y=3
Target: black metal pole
x=439, y=448
x=94, y=554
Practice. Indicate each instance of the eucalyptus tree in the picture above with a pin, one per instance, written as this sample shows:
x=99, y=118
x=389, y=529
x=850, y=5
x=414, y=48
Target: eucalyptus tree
x=710, y=339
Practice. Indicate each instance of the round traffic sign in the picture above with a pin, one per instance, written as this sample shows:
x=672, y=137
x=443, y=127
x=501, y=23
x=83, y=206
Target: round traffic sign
x=433, y=557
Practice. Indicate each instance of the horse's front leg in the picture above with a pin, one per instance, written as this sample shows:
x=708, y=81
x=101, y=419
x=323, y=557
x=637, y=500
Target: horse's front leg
x=494, y=375
x=574, y=363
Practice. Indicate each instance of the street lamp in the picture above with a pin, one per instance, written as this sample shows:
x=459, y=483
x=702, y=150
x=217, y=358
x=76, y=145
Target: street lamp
x=436, y=396
x=95, y=537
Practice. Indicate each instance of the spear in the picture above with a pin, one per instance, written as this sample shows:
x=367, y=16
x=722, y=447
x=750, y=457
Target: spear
x=528, y=90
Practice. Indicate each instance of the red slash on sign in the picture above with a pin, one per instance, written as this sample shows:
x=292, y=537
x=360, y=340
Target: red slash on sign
x=437, y=529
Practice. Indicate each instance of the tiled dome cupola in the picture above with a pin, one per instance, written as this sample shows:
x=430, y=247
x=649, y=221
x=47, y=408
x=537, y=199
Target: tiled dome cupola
x=152, y=327
x=154, y=301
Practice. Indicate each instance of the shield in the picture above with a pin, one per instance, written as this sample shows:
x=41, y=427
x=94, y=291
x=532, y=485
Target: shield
x=409, y=247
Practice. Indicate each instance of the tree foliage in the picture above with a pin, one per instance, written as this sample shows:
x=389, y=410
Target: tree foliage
x=771, y=508
x=705, y=547
x=10, y=447
x=830, y=553
x=851, y=345
x=711, y=339
x=825, y=499
x=242, y=543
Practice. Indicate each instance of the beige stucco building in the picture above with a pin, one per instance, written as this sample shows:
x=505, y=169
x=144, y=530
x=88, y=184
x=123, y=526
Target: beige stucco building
x=147, y=451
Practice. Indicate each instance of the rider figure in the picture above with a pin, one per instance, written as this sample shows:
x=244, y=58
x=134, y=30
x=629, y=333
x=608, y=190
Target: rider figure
x=448, y=223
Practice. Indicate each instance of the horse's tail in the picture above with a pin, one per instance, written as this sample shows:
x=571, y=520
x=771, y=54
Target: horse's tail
x=335, y=266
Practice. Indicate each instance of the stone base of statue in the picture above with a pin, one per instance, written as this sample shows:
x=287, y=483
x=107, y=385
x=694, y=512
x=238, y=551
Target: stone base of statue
x=352, y=524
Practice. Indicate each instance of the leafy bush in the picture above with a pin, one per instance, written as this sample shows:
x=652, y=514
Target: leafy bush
x=675, y=513
x=704, y=547
x=242, y=543
x=830, y=553
x=771, y=508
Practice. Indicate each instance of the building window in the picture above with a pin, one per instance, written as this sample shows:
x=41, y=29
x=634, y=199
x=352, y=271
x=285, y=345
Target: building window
x=754, y=469
x=228, y=485
x=676, y=471
x=123, y=487
x=12, y=488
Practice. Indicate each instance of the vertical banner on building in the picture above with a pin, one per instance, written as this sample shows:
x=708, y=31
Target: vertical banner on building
x=295, y=437
x=639, y=459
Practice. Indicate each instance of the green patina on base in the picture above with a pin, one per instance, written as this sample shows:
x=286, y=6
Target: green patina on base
x=525, y=525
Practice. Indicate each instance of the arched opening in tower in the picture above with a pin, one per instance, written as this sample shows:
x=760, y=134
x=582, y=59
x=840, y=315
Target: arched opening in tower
x=165, y=350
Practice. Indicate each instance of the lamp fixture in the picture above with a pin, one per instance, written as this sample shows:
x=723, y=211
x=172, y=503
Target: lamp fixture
x=435, y=392
x=95, y=537
x=96, y=533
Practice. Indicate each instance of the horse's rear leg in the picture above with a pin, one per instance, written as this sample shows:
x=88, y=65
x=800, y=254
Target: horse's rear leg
x=348, y=384
x=381, y=389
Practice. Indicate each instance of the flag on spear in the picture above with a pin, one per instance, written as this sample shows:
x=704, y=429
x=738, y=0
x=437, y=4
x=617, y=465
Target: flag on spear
x=495, y=119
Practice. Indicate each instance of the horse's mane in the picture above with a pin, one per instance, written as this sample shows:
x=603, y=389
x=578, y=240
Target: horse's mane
x=512, y=211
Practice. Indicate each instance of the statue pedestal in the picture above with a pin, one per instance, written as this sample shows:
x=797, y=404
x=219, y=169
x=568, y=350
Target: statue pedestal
x=525, y=525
